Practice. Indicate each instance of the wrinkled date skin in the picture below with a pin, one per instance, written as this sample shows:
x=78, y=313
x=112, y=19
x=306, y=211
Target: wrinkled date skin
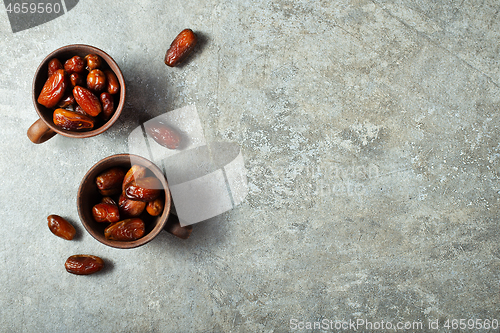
x=60, y=227
x=108, y=105
x=74, y=65
x=96, y=80
x=53, y=89
x=83, y=264
x=130, y=208
x=92, y=61
x=155, y=207
x=54, y=65
x=105, y=212
x=67, y=100
x=110, y=181
x=163, y=134
x=108, y=200
x=126, y=230
x=181, y=47
x=113, y=86
x=87, y=100
x=134, y=173
x=144, y=189
x=76, y=79
x=72, y=121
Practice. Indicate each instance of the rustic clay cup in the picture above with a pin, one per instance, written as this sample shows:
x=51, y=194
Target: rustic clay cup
x=88, y=196
x=44, y=128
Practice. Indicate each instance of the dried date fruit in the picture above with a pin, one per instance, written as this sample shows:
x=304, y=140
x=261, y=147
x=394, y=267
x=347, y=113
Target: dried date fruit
x=108, y=200
x=108, y=105
x=163, y=134
x=113, y=86
x=134, y=173
x=76, y=79
x=78, y=109
x=54, y=65
x=155, y=207
x=92, y=61
x=181, y=47
x=110, y=181
x=96, y=80
x=83, y=264
x=53, y=89
x=61, y=227
x=87, y=100
x=130, y=208
x=72, y=121
x=105, y=212
x=67, y=100
x=144, y=189
x=126, y=230
x=74, y=65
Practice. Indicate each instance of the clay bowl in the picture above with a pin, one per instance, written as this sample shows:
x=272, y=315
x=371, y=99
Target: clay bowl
x=44, y=128
x=88, y=196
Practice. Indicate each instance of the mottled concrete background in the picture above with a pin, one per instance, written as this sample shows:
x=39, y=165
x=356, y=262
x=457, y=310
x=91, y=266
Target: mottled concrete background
x=370, y=135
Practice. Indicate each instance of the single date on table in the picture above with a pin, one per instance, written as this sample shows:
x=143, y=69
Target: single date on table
x=33, y=8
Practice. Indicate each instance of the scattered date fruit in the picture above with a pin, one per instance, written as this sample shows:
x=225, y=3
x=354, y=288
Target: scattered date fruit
x=77, y=86
x=83, y=264
x=61, y=227
x=163, y=134
x=181, y=47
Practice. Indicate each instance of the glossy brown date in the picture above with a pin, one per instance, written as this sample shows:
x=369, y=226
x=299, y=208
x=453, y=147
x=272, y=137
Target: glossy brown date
x=126, y=230
x=105, y=212
x=108, y=200
x=87, y=100
x=76, y=79
x=134, y=173
x=96, y=80
x=72, y=121
x=67, y=100
x=130, y=208
x=110, y=181
x=181, y=47
x=83, y=264
x=155, y=207
x=163, y=134
x=92, y=61
x=54, y=65
x=61, y=227
x=74, y=65
x=108, y=105
x=144, y=189
x=53, y=89
x=113, y=86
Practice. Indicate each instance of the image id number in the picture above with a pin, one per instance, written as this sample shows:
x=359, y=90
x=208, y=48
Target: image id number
x=32, y=8
x=471, y=324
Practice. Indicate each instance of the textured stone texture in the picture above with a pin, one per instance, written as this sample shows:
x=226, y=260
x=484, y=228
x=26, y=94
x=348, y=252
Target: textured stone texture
x=369, y=131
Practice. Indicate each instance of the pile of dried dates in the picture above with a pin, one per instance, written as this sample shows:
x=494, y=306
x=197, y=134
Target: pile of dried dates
x=82, y=91
x=127, y=194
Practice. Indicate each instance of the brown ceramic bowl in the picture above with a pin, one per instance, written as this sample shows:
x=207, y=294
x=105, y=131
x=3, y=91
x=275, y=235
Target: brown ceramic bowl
x=88, y=196
x=44, y=128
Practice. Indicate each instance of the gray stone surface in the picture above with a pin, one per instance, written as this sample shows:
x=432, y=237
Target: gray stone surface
x=370, y=135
